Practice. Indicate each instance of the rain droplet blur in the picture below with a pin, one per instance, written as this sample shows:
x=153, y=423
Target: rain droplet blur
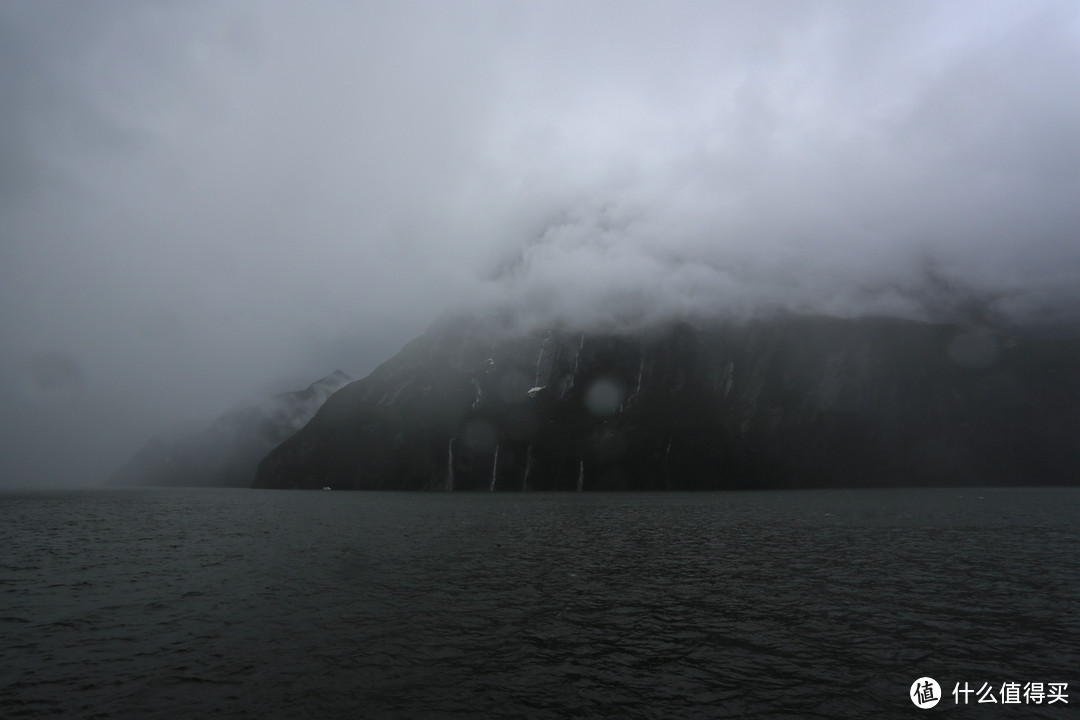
x=604, y=396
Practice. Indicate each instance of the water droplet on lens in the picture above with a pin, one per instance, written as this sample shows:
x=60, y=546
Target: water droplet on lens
x=604, y=396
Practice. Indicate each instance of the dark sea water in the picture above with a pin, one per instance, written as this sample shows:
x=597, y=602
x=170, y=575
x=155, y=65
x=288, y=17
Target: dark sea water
x=266, y=604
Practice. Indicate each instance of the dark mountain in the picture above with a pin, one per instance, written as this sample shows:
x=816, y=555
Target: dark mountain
x=786, y=402
x=226, y=452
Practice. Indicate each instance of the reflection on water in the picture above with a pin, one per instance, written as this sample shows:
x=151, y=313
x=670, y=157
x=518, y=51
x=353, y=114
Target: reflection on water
x=289, y=604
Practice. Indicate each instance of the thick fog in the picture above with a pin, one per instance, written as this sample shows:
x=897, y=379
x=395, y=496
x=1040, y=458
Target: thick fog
x=205, y=202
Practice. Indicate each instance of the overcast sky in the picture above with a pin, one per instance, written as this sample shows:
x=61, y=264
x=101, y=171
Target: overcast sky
x=204, y=202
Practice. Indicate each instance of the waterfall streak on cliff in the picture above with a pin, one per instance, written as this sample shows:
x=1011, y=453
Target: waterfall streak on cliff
x=581, y=476
x=568, y=384
x=450, y=465
x=528, y=467
x=538, y=359
x=494, y=467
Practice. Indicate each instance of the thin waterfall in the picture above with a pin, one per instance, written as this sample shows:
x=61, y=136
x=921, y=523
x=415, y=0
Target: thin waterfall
x=581, y=476
x=450, y=465
x=528, y=467
x=539, y=357
x=494, y=467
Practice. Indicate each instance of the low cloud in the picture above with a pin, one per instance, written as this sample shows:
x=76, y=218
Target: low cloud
x=206, y=202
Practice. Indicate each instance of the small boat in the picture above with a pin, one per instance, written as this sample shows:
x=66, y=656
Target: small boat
x=327, y=487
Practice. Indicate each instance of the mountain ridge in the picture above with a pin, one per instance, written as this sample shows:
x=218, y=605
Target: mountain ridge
x=226, y=451
x=779, y=402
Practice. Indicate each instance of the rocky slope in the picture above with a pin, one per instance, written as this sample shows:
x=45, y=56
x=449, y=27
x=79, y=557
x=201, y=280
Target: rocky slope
x=227, y=451
x=770, y=403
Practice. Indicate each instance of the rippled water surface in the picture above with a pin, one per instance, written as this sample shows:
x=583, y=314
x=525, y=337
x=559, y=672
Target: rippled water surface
x=264, y=604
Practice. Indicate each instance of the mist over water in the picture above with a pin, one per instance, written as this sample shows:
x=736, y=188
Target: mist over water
x=242, y=604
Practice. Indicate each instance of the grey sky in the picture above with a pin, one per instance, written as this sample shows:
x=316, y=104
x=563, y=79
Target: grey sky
x=203, y=202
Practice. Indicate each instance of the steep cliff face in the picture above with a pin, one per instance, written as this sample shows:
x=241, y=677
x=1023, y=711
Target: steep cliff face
x=227, y=451
x=785, y=402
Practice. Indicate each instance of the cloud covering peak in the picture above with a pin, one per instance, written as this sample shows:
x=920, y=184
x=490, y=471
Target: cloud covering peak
x=197, y=197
